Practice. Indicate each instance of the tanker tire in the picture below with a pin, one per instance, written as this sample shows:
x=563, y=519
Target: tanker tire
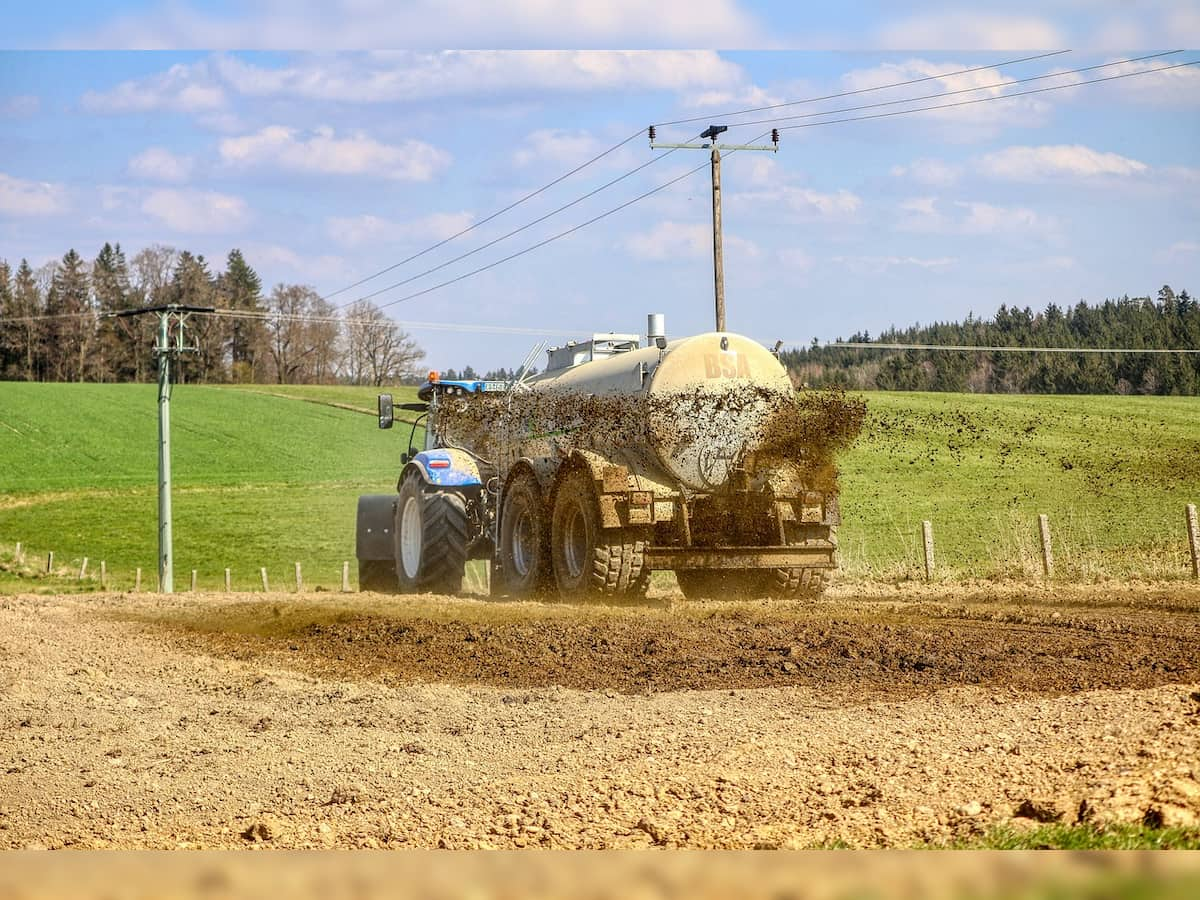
x=524, y=541
x=377, y=575
x=589, y=561
x=438, y=555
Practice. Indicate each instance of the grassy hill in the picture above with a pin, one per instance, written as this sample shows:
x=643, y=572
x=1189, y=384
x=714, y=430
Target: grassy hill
x=268, y=475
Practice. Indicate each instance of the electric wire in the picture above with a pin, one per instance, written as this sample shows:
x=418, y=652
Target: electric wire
x=969, y=90
x=622, y=143
x=868, y=345
x=743, y=112
x=484, y=221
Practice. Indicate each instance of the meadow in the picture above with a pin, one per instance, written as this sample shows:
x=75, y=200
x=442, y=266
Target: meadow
x=268, y=475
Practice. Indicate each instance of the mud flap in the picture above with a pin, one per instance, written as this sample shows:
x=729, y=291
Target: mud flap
x=373, y=533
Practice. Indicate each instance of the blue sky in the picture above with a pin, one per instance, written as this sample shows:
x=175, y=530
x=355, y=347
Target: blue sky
x=325, y=165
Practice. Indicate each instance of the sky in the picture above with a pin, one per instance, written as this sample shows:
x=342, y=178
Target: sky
x=336, y=158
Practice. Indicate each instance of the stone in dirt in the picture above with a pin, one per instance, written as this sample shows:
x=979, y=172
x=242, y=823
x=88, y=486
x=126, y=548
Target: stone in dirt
x=260, y=831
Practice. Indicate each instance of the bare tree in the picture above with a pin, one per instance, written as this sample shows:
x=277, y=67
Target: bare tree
x=302, y=336
x=377, y=349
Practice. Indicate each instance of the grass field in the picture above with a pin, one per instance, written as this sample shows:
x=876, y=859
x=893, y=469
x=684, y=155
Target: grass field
x=268, y=475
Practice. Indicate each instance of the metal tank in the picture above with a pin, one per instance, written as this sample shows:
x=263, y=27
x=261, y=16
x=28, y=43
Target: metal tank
x=705, y=400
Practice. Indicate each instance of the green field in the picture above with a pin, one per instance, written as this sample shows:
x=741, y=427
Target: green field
x=268, y=475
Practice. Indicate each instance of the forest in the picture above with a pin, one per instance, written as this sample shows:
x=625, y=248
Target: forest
x=62, y=322
x=1129, y=326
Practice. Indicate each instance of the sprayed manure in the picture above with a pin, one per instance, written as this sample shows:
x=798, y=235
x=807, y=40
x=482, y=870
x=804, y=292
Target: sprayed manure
x=808, y=429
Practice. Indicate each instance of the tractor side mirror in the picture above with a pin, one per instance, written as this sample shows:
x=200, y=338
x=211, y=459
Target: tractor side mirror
x=385, y=411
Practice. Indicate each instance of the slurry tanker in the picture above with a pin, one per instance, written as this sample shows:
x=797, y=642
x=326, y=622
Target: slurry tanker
x=692, y=455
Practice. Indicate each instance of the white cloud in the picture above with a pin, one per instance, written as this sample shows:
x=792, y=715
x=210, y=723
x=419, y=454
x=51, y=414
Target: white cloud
x=358, y=24
x=684, y=240
x=310, y=267
x=956, y=123
x=926, y=214
x=353, y=231
x=19, y=197
x=557, y=147
x=1179, y=250
x=795, y=258
x=936, y=172
x=955, y=30
x=197, y=212
x=160, y=164
x=878, y=264
x=19, y=106
x=181, y=88
x=1057, y=161
x=323, y=152
x=985, y=218
x=773, y=187
x=1172, y=87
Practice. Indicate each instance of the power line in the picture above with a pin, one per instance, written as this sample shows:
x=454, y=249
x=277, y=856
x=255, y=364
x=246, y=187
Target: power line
x=515, y=231
x=742, y=112
x=1056, y=87
x=868, y=345
x=982, y=87
x=484, y=221
x=622, y=143
x=691, y=172
x=389, y=323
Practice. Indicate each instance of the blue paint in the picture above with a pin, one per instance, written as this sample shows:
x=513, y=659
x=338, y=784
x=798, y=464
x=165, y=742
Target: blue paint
x=461, y=471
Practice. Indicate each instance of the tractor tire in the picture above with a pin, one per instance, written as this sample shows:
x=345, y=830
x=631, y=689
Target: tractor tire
x=588, y=560
x=431, y=538
x=524, y=540
x=377, y=575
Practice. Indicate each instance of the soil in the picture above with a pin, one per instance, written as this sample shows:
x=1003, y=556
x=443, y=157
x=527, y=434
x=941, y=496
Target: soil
x=881, y=716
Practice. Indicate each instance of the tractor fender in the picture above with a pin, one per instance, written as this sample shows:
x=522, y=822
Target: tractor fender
x=444, y=467
x=373, y=534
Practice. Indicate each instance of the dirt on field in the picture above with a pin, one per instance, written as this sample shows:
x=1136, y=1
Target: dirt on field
x=882, y=715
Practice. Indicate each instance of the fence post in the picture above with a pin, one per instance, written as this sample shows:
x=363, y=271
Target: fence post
x=103, y=575
x=1193, y=539
x=227, y=581
x=49, y=562
x=299, y=580
x=193, y=581
x=263, y=571
x=137, y=579
x=83, y=569
x=345, y=577
x=927, y=538
x=17, y=554
x=1047, y=553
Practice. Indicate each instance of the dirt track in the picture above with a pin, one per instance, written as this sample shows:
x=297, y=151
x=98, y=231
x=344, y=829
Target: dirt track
x=881, y=716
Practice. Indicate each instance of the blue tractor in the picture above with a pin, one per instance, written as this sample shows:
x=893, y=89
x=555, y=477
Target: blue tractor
x=420, y=538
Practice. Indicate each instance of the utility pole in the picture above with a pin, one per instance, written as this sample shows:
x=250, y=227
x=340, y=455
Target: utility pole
x=710, y=134
x=170, y=343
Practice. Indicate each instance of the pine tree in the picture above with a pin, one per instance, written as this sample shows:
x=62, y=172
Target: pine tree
x=116, y=352
x=239, y=288
x=192, y=285
x=70, y=334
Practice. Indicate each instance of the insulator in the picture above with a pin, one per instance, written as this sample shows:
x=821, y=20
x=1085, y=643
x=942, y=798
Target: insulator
x=774, y=135
x=652, y=132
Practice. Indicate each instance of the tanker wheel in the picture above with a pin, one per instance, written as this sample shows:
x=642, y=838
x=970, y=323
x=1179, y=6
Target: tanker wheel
x=377, y=575
x=524, y=542
x=430, y=538
x=587, y=559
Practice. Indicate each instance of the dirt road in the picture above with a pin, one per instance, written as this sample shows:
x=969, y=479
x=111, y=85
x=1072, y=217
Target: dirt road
x=881, y=716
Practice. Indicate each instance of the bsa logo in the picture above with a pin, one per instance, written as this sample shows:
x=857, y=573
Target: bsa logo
x=726, y=365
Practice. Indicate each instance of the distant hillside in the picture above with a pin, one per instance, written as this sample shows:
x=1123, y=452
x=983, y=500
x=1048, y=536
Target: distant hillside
x=1170, y=321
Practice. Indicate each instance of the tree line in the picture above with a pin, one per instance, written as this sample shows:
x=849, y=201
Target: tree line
x=59, y=323
x=1168, y=321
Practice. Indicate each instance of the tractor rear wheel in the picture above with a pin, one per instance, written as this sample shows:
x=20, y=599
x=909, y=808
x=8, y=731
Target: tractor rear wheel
x=524, y=539
x=430, y=538
x=589, y=560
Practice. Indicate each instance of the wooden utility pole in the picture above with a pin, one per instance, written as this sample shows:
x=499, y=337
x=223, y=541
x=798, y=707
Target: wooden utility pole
x=718, y=254
x=710, y=134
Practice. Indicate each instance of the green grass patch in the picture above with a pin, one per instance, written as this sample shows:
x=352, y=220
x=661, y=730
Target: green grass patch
x=1084, y=837
x=267, y=475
